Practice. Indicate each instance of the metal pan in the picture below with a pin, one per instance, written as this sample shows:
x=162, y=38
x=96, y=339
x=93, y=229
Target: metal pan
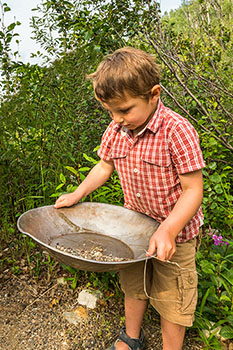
x=122, y=232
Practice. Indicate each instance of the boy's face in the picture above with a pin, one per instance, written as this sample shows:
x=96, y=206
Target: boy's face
x=133, y=112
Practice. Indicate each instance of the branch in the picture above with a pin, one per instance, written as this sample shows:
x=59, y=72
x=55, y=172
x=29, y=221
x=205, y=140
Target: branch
x=222, y=141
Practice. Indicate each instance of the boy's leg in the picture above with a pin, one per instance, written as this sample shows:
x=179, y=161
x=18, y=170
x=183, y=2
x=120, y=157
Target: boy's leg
x=172, y=334
x=132, y=284
x=134, y=313
x=174, y=294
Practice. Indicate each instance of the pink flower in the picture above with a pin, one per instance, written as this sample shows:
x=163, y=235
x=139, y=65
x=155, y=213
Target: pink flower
x=217, y=240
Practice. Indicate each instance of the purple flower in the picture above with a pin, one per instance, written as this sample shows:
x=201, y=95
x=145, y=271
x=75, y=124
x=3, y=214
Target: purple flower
x=217, y=240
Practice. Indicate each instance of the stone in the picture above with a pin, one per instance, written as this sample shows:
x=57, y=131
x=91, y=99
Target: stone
x=76, y=316
x=216, y=332
x=61, y=280
x=89, y=298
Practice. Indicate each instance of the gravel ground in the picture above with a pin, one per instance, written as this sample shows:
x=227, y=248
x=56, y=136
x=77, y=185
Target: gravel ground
x=32, y=316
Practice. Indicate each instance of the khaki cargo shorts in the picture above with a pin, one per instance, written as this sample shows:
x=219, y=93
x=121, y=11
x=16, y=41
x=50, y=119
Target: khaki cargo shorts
x=175, y=289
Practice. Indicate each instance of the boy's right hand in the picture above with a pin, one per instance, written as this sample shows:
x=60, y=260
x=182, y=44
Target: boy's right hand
x=66, y=200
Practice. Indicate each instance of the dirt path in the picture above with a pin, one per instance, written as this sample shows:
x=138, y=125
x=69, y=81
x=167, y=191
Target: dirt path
x=31, y=317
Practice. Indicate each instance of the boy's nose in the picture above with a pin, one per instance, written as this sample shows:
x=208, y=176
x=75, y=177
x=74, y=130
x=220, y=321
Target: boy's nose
x=118, y=119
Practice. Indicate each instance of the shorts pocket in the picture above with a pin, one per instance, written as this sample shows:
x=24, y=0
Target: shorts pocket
x=187, y=285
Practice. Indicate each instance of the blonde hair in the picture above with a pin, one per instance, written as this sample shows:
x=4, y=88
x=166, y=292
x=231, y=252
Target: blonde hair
x=127, y=70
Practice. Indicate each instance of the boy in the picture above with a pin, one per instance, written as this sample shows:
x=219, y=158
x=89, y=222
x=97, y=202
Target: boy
x=157, y=155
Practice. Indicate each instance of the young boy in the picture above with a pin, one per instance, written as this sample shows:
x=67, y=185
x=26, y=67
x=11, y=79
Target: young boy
x=157, y=155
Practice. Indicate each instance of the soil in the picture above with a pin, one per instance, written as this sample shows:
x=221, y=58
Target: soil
x=32, y=313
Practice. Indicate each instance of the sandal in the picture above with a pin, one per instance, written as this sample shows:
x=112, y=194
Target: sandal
x=133, y=343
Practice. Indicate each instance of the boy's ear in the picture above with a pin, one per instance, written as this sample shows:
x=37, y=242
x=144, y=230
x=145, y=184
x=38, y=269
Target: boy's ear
x=155, y=92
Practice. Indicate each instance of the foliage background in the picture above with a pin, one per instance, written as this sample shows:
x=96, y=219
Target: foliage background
x=51, y=124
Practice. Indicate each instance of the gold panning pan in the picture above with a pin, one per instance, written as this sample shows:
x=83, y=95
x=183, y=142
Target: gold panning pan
x=120, y=232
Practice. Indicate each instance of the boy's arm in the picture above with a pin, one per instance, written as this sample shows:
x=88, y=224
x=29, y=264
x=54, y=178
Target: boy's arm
x=96, y=178
x=163, y=240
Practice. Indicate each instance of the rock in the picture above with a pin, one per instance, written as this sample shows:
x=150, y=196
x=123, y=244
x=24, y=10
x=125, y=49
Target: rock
x=216, y=331
x=76, y=316
x=61, y=280
x=89, y=298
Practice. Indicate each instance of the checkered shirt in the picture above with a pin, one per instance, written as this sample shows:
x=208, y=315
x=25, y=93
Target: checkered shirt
x=148, y=165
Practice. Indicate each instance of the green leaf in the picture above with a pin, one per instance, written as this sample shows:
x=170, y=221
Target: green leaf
x=59, y=186
x=73, y=170
x=227, y=332
x=218, y=189
x=70, y=269
x=11, y=26
x=213, y=141
x=62, y=178
x=74, y=283
x=204, y=301
x=6, y=9
x=225, y=298
x=82, y=177
x=90, y=159
x=228, y=276
x=85, y=168
x=58, y=194
x=212, y=165
x=103, y=193
x=215, y=178
x=207, y=267
x=230, y=319
x=96, y=148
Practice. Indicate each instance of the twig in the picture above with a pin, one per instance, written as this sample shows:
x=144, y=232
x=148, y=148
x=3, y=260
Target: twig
x=192, y=118
x=34, y=301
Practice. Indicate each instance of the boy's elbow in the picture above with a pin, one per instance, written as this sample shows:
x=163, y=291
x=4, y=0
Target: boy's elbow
x=107, y=167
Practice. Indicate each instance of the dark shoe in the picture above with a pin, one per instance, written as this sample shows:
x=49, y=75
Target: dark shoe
x=133, y=343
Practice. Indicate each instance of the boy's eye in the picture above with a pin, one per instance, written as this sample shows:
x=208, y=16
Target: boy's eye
x=125, y=111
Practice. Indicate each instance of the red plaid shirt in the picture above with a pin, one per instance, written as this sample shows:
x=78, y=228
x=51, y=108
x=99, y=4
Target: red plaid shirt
x=148, y=165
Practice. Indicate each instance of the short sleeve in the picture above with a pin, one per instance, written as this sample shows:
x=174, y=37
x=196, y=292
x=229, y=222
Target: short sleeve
x=185, y=148
x=104, y=152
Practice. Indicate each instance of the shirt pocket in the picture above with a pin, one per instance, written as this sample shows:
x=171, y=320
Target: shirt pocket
x=118, y=153
x=158, y=172
x=160, y=159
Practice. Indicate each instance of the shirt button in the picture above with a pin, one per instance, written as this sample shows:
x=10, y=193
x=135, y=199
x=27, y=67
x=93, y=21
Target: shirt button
x=138, y=195
x=135, y=170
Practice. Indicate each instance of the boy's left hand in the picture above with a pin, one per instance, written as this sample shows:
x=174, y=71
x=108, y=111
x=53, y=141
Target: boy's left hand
x=163, y=244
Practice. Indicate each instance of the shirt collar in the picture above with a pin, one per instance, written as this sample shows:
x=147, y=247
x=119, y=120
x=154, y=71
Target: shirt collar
x=116, y=126
x=156, y=121
x=153, y=125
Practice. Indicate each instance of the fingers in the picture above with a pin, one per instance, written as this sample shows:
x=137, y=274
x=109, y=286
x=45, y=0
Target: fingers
x=64, y=201
x=151, y=249
x=165, y=253
x=164, y=250
x=61, y=202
